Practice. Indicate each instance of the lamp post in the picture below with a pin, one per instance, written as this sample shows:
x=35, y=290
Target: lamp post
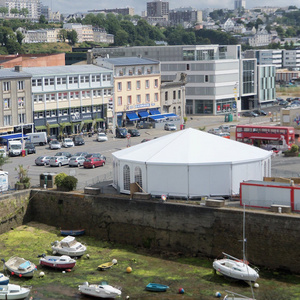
x=20, y=102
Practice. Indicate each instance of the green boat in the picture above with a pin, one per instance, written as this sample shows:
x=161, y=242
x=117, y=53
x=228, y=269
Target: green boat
x=156, y=287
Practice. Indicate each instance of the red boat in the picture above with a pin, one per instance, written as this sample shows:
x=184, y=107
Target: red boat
x=58, y=262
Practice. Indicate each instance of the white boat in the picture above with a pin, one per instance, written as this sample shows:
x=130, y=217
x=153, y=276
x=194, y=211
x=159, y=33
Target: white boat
x=20, y=266
x=102, y=290
x=235, y=296
x=235, y=268
x=58, y=262
x=13, y=292
x=3, y=279
x=68, y=246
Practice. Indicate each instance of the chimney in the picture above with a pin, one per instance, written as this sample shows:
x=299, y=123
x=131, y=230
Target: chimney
x=18, y=68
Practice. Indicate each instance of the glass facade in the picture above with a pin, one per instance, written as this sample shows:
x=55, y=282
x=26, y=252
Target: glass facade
x=248, y=77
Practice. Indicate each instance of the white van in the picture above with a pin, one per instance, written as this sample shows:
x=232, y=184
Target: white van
x=15, y=148
x=37, y=138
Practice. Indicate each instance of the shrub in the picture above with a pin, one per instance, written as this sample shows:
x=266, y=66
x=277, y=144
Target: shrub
x=59, y=179
x=294, y=148
x=69, y=183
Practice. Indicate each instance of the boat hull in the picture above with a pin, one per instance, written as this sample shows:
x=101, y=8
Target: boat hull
x=20, y=267
x=105, y=266
x=63, y=262
x=156, y=287
x=72, y=232
x=100, y=291
x=18, y=292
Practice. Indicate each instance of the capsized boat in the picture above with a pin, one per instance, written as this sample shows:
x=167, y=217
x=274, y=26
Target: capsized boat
x=156, y=287
x=3, y=279
x=235, y=268
x=72, y=232
x=102, y=290
x=68, y=246
x=20, y=266
x=13, y=292
x=58, y=262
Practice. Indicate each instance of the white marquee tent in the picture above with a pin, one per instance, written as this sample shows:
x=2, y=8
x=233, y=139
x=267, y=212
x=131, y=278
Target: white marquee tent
x=190, y=163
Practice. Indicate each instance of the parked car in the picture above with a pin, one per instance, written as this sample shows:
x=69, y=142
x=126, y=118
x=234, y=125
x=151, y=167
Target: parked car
x=121, y=132
x=214, y=130
x=84, y=154
x=78, y=140
x=144, y=125
x=51, y=138
x=68, y=143
x=58, y=161
x=250, y=114
x=101, y=137
x=67, y=154
x=76, y=161
x=93, y=162
x=98, y=155
x=283, y=102
x=54, y=144
x=260, y=112
x=224, y=128
x=133, y=132
x=170, y=126
x=30, y=148
x=42, y=160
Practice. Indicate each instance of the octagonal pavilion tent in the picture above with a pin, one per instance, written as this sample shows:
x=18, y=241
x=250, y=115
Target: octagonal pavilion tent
x=190, y=163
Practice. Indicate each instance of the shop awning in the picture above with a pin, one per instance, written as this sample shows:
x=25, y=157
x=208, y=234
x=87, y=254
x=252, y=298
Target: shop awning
x=99, y=120
x=154, y=111
x=66, y=124
x=88, y=121
x=53, y=125
x=132, y=116
x=42, y=127
x=170, y=115
x=157, y=117
x=143, y=114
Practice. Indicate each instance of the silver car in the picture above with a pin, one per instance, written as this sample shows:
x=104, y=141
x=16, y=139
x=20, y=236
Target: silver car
x=58, y=161
x=42, y=160
x=76, y=161
x=55, y=144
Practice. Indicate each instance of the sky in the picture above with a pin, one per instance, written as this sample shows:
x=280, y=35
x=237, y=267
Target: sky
x=73, y=6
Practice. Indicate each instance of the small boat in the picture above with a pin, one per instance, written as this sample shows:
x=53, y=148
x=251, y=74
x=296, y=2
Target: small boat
x=156, y=287
x=235, y=296
x=102, y=290
x=107, y=265
x=76, y=232
x=58, y=262
x=13, y=292
x=3, y=279
x=68, y=246
x=20, y=266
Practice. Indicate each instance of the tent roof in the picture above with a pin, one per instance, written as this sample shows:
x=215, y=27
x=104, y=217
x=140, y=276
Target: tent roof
x=192, y=147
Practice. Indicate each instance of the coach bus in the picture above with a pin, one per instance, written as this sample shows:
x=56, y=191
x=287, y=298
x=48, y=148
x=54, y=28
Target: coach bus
x=266, y=137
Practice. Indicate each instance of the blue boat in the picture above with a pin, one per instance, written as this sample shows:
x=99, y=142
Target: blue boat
x=67, y=232
x=3, y=279
x=156, y=287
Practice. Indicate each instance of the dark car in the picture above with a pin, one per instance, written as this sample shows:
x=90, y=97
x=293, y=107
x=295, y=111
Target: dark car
x=260, y=112
x=250, y=114
x=133, y=132
x=30, y=148
x=121, y=132
x=78, y=140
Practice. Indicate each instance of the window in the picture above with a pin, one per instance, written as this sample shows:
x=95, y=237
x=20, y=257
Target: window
x=174, y=95
x=6, y=86
x=49, y=81
x=60, y=96
x=21, y=85
x=166, y=96
x=147, y=84
x=52, y=98
x=205, y=78
x=38, y=98
x=73, y=79
x=128, y=85
x=187, y=66
x=138, y=85
x=21, y=102
x=119, y=100
x=156, y=97
x=126, y=177
x=47, y=97
x=7, y=120
x=71, y=95
x=138, y=99
x=147, y=98
x=156, y=83
x=179, y=94
x=96, y=78
x=6, y=103
x=36, y=82
x=109, y=92
x=138, y=176
x=128, y=100
x=108, y=77
x=22, y=118
x=119, y=86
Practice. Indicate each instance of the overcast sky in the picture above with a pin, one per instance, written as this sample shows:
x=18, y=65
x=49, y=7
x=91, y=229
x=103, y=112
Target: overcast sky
x=72, y=6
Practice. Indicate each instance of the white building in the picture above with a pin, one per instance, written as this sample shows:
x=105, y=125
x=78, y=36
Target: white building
x=291, y=59
x=190, y=163
x=33, y=7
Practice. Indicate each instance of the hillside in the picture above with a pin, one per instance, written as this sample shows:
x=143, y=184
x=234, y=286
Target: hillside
x=46, y=48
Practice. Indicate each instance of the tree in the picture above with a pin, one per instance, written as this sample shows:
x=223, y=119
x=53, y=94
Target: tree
x=3, y=10
x=72, y=37
x=14, y=11
x=280, y=31
x=42, y=20
x=62, y=35
x=121, y=38
x=20, y=37
x=24, y=12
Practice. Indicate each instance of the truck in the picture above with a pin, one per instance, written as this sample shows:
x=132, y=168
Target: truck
x=37, y=138
x=15, y=148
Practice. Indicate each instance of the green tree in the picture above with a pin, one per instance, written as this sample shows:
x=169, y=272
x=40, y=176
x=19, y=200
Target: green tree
x=280, y=31
x=20, y=37
x=62, y=35
x=42, y=20
x=24, y=12
x=3, y=10
x=112, y=24
x=72, y=37
x=121, y=38
x=130, y=30
x=14, y=11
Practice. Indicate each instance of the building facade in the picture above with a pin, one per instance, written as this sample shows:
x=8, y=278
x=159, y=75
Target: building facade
x=239, y=4
x=136, y=88
x=291, y=59
x=33, y=7
x=266, y=83
x=15, y=92
x=266, y=57
x=157, y=8
x=101, y=36
x=70, y=98
x=122, y=11
x=185, y=17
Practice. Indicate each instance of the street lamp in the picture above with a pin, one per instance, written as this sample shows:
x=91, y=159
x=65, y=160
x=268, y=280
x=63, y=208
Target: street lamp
x=21, y=102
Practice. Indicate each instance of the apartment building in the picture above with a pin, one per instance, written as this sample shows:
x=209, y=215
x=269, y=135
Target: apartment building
x=136, y=88
x=15, y=94
x=101, y=36
x=84, y=32
x=122, y=11
x=266, y=56
x=214, y=74
x=291, y=59
x=185, y=17
x=70, y=98
x=33, y=7
x=157, y=8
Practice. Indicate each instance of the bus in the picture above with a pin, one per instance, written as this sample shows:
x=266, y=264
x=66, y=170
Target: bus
x=266, y=137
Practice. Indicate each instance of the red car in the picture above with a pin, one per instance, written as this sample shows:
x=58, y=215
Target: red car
x=93, y=162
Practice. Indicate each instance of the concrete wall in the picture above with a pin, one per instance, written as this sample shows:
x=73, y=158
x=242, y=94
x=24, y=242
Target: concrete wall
x=273, y=239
